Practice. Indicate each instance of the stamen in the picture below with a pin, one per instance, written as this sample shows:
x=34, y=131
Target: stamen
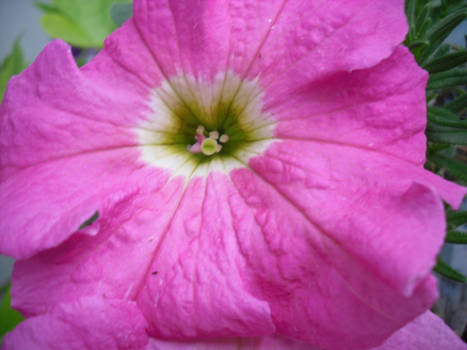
x=207, y=145
x=196, y=148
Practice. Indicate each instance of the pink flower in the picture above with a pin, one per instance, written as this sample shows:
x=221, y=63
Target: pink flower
x=257, y=167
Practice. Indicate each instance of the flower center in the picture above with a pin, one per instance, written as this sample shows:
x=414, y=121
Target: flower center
x=193, y=123
x=208, y=143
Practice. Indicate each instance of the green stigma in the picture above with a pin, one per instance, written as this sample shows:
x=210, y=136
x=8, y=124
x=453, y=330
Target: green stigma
x=209, y=147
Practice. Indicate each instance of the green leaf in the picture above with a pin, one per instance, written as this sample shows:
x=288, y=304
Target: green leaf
x=456, y=237
x=445, y=117
x=455, y=168
x=410, y=6
x=441, y=29
x=422, y=21
x=13, y=64
x=62, y=27
x=446, y=62
x=9, y=318
x=458, y=104
x=445, y=134
x=45, y=7
x=120, y=13
x=447, y=271
x=433, y=3
x=457, y=218
x=443, y=50
x=450, y=78
x=84, y=23
x=89, y=221
x=410, y=10
x=417, y=43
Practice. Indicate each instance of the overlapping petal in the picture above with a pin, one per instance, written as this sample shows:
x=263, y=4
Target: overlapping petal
x=327, y=237
x=427, y=332
x=66, y=149
x=340, y=211
x=185, y=276
x=264, y=343
x=381, y=109
x=88, y=323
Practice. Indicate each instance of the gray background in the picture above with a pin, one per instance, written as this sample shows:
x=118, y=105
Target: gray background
x=21, y=18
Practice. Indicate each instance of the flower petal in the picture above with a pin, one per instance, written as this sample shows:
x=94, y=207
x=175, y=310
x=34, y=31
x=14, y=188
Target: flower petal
x=382, y=108
x=178, y=260
x=67, y=138
x=185, y=36
x=199, y=290
x=312, y=39
x=427, y=332
x=370, y=204
x=112, y=262
x=309, y=276
x=97, y=323
x=264, y=343
x=51, y=108
x=47, y=203
x=250, y=37
x=125, y=52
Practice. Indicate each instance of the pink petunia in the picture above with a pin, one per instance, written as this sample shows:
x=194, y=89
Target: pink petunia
x=257, y=169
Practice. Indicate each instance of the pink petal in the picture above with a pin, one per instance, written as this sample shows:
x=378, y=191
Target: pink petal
x=185, y=36
x=88, y=323
x=60, y=195
x=264, y=343
x=52, y=111
x=309, y=290
x=372, y=204
x=309, y=40
x=273, y=38
x=187, y=279
x=200, y=289
x=68, y=147
x=125, y=52
x=85, y=105
x=111, y=263
x=427, y=332
x=382, y=108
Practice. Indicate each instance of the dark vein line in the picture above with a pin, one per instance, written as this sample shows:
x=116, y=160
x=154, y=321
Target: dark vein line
x=279, y=75
x=255, y=56
x=163, y=235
